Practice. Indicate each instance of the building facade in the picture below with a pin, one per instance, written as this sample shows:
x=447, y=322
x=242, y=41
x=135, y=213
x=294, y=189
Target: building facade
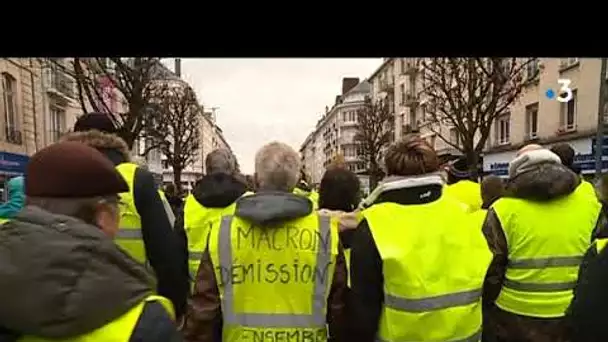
x=22, y=110
x=537, y=118
x=574, y=122
x=335, y=133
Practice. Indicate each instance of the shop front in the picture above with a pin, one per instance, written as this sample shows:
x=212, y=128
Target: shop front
x=584, y=159
x=11, y=165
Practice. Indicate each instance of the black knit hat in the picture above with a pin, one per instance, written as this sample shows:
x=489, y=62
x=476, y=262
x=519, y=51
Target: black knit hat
x=99, y=121
x=459, y=168
x=72, y=169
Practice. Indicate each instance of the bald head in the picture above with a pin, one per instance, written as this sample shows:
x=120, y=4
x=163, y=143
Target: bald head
x=220, y=161
x=277, y=167
x=528, y=148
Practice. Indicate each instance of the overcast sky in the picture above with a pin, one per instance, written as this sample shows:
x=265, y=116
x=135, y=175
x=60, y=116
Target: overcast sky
x=261, y=100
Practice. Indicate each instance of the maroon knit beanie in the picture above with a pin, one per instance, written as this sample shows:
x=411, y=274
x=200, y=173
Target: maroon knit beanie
x=72, y=169
x=98, y=121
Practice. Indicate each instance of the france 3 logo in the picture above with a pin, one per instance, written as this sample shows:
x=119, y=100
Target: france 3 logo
x=565, y=93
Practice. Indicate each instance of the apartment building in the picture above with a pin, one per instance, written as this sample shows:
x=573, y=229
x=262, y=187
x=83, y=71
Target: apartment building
x=212, y=137
x=21, y=108
x=399, y=81
x=335, y=134
x=536, y=118
x=60, y=107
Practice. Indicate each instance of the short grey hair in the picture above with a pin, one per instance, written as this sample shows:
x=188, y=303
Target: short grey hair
x=277, y=167
x=220, y=161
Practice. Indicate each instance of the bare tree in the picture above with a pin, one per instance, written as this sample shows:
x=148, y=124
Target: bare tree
x=373, y=134
x=173, y=125
x=469, y=94
x=100, y=82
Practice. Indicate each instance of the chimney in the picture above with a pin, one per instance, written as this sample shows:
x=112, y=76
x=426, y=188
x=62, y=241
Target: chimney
x=338, y=99
x=326, y=109
x=349, y=83
x=178, y=67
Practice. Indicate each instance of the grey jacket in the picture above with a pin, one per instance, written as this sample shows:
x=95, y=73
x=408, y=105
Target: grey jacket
x=61, y=277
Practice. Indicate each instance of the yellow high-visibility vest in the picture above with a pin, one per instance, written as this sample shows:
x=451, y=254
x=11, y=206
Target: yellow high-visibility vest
x=119, y=329
x=434, y=261
x=313, y=196
x=467, y=192
x=129, y=236
x=588, y=189
x=547, y=241
x=4, y=220
x=479, y=216
x=197, y=223
x=600, y=244
x=274, y=281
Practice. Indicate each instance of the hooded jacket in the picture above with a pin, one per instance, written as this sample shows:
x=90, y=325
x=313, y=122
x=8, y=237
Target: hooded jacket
x=203, y=321
x=166, y=250
x=16, y=198
x=542, y=182
x=218, y=190
x=62, y=278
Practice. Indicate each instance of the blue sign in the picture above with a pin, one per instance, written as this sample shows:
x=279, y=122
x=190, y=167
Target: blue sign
x=586, y=162
x=13, y=164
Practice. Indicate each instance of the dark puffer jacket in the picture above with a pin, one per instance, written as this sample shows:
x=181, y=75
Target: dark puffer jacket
x=62, y=278
x=166, y=250
x=545, y=182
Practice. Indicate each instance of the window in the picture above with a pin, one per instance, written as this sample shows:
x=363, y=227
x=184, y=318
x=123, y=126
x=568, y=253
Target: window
x=413, y=119
x=403, y=65
x=568, y=113
x=532, y=120
x=454, y=138
x=503, y=129
x=402, y=92
x=349, y=152
x=9, y=95
x=351, y=116
x=532, y=69
x=57, y=121
x=343, y=116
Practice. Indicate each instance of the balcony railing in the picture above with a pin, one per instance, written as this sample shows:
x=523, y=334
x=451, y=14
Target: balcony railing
x=60, y=82
x=13, y=135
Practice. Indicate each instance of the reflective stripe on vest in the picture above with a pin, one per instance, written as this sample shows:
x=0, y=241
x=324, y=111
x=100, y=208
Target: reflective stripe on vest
x=120, y=329
x=547, y=241
x=129, y=236
x=197, y=221
x=168, y=209
x=285, y=306
x=429, y=297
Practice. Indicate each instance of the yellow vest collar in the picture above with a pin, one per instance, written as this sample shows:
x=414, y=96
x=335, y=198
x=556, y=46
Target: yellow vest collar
x=399, y=182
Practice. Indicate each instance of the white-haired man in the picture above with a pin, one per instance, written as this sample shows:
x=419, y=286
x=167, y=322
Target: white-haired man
x=272, y=271
x=213, y=195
